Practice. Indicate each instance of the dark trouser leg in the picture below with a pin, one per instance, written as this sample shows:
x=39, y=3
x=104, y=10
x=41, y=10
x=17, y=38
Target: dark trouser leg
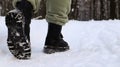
x=27, y=29
x=26, y=8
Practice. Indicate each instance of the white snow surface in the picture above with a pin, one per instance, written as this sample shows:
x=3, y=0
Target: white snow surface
x=92, y=44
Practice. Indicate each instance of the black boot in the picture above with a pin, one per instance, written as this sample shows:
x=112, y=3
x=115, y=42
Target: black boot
x=54, y=40
x=17, y=21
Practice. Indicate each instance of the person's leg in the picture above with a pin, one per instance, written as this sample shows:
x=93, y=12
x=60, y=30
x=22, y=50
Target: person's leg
x=18, y=21
x=35, y=4
x=57, y=11
x=27, y=11
x=27, y=7
x=56, y=16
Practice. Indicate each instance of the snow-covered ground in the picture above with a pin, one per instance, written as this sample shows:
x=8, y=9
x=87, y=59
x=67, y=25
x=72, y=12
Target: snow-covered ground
x=92, y=43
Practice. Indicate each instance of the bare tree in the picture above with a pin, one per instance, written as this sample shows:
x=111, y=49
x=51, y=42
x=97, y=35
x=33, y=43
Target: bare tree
x=80, y=9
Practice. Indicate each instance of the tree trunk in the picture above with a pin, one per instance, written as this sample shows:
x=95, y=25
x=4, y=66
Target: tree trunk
x=82, y=10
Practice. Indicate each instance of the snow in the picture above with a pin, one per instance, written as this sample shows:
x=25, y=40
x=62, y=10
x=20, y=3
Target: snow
x=92, y=43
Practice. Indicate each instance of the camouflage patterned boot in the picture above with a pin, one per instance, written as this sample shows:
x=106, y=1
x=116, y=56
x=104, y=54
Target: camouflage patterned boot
x=17, y=22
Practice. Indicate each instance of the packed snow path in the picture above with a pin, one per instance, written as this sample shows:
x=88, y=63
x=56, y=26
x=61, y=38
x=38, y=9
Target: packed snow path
x=92, y=43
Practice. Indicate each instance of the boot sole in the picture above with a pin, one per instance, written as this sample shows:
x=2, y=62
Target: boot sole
x=51, y=50
x=18, y=43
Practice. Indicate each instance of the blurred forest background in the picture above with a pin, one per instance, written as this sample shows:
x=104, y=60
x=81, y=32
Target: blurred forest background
x=82, y=10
